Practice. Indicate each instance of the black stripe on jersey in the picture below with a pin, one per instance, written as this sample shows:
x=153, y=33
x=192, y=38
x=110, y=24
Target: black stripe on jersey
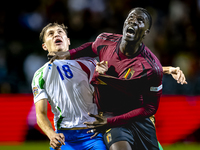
x=117, y=48
x=111, y=37
x=144, y=71
x=151, y=61
x=101, y=47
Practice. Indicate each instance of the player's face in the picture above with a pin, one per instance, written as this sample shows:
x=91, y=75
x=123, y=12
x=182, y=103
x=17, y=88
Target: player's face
x=55, y=40
x=135, y=26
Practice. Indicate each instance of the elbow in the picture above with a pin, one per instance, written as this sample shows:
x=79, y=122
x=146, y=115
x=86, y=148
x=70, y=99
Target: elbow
x=151, y=111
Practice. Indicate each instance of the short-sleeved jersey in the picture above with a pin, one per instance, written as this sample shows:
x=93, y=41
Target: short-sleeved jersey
x=65, y=84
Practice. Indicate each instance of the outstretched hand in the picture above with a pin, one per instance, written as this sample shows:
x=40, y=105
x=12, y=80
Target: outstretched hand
x=98, y=126
x=178, y=75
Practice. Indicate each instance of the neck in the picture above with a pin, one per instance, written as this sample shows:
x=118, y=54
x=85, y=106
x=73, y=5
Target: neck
x=129, y=48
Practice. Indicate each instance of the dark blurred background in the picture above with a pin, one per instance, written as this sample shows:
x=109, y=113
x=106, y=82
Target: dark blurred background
x=174, y=36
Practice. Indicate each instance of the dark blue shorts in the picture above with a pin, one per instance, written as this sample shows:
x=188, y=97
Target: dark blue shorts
x=141, y=135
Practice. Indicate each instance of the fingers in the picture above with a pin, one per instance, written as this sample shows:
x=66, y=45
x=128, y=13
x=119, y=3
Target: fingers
x=88, y=124
x=94, y=116
x=60, y=55
x=57, y=141
x=53, y=58
x=55, y=145
x=95, y=134
x=91, y=131
x=102, y=67
x=178, y=75
x=181, y=77
x=62, y=139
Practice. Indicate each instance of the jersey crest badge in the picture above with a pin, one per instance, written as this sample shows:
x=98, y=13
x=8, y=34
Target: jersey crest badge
x=109, y=137
x=35, y=91
x=128, y=73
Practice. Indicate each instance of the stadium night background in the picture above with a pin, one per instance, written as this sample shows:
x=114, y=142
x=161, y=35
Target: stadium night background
x=174, y=38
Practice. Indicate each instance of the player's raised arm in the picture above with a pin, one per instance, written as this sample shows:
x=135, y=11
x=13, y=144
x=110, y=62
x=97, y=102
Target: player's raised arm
x=85, y=50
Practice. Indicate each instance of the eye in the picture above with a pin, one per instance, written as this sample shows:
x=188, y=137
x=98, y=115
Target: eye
x=60, y=32
x=140, y=20
x=50, y=33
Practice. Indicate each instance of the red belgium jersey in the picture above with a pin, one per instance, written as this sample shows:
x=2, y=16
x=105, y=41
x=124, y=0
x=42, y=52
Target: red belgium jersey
x=131, y=88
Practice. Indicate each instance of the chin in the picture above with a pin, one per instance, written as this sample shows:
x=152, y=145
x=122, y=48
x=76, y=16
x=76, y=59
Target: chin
x=129, y=39
x=60, y=49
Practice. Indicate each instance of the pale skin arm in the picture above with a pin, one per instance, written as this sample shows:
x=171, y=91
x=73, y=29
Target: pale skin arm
x=102, y=67
x=45, y=124
x=176, y=73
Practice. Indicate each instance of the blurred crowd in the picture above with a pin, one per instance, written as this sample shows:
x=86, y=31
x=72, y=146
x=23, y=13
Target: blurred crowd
x=173, y=38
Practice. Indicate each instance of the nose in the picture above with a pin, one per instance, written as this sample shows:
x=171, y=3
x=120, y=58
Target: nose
x=56, y=34
x=133, y=21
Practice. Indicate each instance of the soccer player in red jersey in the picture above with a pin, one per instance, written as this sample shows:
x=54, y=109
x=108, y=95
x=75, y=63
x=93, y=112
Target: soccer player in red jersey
x=128, y=84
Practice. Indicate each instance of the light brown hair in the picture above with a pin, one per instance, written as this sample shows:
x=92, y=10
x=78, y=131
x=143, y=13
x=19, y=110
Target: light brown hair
x=42, y=33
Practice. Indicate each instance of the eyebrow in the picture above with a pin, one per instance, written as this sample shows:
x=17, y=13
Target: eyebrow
x=49, y=31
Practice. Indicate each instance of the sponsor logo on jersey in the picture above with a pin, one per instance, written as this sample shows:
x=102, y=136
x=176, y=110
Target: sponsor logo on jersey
x=35, y=91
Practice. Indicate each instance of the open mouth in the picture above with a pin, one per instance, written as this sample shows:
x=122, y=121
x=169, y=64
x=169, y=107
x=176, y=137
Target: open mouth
x=130, y=30
x=58, y=41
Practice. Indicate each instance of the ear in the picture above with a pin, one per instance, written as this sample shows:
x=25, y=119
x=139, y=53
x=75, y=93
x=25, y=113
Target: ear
x=146, y=32
x=44, y=46
x=69, y=41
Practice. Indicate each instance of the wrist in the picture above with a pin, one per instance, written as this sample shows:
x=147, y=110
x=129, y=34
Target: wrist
x=167, y=70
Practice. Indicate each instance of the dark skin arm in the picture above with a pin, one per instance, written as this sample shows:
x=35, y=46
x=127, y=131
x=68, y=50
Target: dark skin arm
x=176, y=72
x=98, y=126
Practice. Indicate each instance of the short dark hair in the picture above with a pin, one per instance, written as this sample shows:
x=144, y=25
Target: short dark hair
x=41, y=37
x=146, y=12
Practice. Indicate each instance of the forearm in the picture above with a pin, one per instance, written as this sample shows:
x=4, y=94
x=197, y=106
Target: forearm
x=166, y=70
x=45, y=124
x=142, y=112
x=42, y=119
x=84, y=50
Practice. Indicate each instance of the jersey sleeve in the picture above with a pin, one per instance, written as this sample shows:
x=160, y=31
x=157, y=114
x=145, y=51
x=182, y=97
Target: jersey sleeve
x=38, y=86
x=89, y=49
x=151, y=97
x=84, y=50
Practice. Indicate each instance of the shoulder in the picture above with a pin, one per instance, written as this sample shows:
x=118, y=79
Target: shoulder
x=109, y=36
x=41, y=69
x=152, y=61
x=39, y=73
